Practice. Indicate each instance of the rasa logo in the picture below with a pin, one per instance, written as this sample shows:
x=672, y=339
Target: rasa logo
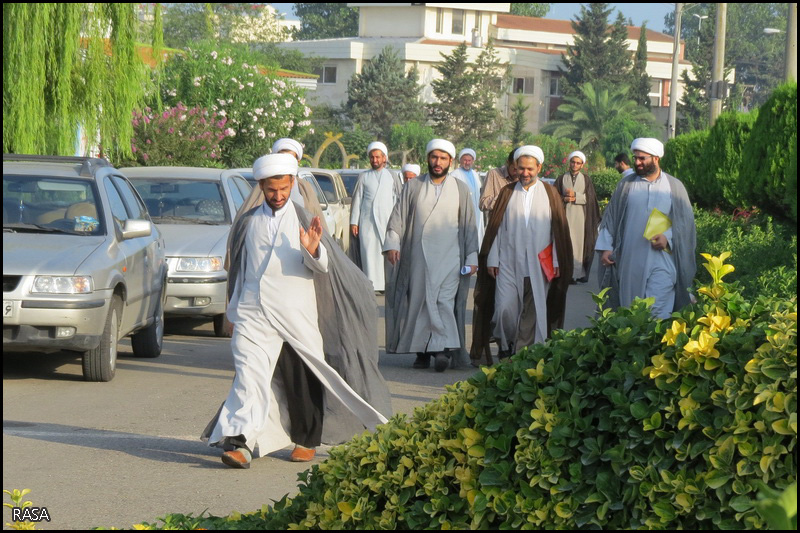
x=29, y=514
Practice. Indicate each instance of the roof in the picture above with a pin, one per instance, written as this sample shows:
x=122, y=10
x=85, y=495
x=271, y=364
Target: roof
x=196, y=173
x=518, y=22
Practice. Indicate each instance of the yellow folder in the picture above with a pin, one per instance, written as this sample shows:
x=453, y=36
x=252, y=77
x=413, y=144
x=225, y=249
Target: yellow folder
x=657, y=223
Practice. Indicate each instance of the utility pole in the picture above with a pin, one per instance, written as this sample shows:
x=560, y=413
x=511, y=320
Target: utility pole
x=673, y=87
x=718, y=90
x=791, y=44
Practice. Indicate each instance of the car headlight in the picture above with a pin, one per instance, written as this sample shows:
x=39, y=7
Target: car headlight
x=62, y=284
x=199, y=264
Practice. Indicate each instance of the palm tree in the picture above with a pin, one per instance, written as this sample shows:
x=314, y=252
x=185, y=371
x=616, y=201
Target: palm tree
x=586, y=117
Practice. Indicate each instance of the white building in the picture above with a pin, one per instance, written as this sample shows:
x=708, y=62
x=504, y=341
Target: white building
x=422, y=32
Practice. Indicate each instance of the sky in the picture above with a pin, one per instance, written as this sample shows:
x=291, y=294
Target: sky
x=639, y=12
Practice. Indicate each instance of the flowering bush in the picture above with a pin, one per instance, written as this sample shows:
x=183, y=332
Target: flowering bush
x=259, y=106
x=178, y=136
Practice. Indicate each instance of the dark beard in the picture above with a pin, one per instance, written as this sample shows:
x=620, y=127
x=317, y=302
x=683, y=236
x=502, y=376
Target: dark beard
x=437, y=176
x=647, y=170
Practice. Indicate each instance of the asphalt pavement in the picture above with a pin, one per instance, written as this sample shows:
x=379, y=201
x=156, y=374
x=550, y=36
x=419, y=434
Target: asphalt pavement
x=120, y=453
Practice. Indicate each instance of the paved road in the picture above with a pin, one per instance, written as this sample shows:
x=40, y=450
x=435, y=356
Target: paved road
x=119, y=453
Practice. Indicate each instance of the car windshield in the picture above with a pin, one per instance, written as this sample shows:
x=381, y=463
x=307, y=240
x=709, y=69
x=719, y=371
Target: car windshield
x=183, y=201
x=47, y=204
x=350, y=179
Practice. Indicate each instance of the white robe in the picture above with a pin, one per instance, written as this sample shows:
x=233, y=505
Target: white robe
x=274, y=302
x=576, y=219
x=373, y=201
x=643, y=271
x=525, y=231
x=470, y=177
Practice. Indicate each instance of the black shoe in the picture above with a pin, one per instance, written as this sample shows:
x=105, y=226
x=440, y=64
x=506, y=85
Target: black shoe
x=573, y=282
x=423, y=361
x=503, y=354
x=584, y=279
x=442, y=361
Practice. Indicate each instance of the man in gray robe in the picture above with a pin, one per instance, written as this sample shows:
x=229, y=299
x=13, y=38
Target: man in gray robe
x=432, y=242
x=583, y=214
x=374, y=197
x=633, y=267
x=293, y=292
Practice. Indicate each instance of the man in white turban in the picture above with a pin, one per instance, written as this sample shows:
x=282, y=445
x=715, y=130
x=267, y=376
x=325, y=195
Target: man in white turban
x=583, y=214
x=285, y=273
x=432, y=243
x=465, y=173
x=525, y=264
x=410, y=171
x=374, y=196
x=662, y=267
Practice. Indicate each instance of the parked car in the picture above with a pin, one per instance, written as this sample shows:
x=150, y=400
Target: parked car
x=338, y=200
x=306, y=175
x=83, y=265
x=194, y=209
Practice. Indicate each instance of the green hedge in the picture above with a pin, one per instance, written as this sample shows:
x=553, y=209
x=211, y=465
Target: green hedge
x=631, y=423
x=682, y=158
x=605, y=182
x=722, y=160
x=768, y=177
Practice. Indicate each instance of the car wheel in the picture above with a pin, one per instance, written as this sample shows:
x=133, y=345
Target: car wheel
x=148, y=342
x=100, y=363
x=221, y=326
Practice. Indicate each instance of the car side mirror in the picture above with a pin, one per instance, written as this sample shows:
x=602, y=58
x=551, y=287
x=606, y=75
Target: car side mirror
x=136, y=228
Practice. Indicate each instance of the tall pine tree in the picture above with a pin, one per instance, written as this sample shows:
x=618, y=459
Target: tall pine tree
x=599, y=54
x=384, y=95
x=639, y=80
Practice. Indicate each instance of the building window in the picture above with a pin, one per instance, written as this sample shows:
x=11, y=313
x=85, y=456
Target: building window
x=655, y=93
x=327, y=75
x=458, y=22
x=522, y=86
x=439, y=20
x=555, y=86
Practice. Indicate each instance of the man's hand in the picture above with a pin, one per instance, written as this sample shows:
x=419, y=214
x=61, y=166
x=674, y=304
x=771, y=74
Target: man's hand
x=229, y=328
x=605, y=259
x=472, y=270
x=493, y=271
x=310, y=239
x=393, y=256
x=659, y=242
x=354, y=230
x=556, y=272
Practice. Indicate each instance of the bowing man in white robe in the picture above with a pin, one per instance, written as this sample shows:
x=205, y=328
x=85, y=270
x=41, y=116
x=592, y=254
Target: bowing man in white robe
x=520, y=313
x=432, y=242
x=464, y=172
x=273, y=302
x=374, y=197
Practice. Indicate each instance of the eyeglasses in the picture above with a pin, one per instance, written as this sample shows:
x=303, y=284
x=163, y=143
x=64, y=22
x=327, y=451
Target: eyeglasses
x=637, y=158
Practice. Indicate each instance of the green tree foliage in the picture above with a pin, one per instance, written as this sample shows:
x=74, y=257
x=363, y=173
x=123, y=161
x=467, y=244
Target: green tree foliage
x=599, y=54
x=325, y=21
x=259, y=106
x=530, y=10
x=65, y=67
x=640, y=81
x=768, y=177
x=185, y=23
x=384, y=95
x=518, y=121
x=621, y=130
x=467, y=94
x=412, y=137
x=588, y=117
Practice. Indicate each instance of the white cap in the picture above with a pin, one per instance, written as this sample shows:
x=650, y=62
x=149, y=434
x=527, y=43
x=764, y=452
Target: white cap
x=288, y=144
x=274, y=165
x=467, y=151
x=531, y=151
x=443, y=145
x=649, y=146
x=408, y=167
x=577, y=153
x=377, y=145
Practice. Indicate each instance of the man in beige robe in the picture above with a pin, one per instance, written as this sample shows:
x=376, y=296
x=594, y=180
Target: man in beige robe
x=432, y=243
x=496, y=179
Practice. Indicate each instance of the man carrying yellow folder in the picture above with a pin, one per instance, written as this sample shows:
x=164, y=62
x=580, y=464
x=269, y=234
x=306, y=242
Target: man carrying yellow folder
x=649, y=214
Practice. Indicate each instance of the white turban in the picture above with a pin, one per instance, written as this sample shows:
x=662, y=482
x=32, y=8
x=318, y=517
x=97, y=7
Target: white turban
x=577, y=153
x=648, y=146
x=288, y=144
x=467, y=151
x=274, y=165
x=408, y=167
x=529, y=150
x=377, y=146
x=443, y=145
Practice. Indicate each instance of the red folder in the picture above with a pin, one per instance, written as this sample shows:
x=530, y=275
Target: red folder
x=546, y=260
